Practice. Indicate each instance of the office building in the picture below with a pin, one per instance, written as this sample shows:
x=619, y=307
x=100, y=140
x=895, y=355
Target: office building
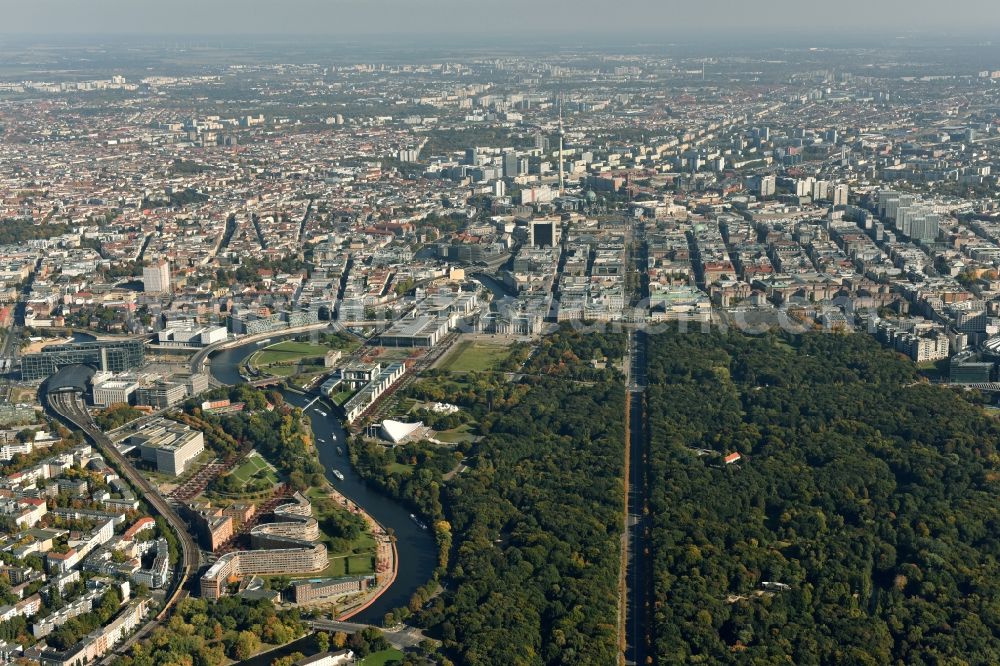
x=544, y=232
x=285, y=547
x=156, y=278
x=968, y=368
x=161, y=394
x=172, y=446
x=420, y=331
x=510, y=165
x=367, y=396
x=113, y=391
x=183, y=334
x=193, y=383
x=108, y=356
x=328, y=589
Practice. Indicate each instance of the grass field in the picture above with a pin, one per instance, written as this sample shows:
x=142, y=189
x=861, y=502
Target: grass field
x=382, y=658
x=360, y=564
x=400, y=468
x=251, y=467
x=471, y=356
x=460, y=434
x=287, y=352
x=342, y=397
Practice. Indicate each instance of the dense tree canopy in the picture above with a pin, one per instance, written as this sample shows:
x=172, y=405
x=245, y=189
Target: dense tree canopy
x=207, y=633
x=19, y=231
x=869, y=494
x=537, y=517
x=116, y=415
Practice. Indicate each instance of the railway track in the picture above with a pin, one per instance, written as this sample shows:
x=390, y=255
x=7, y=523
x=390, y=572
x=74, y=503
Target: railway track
x=69, y=407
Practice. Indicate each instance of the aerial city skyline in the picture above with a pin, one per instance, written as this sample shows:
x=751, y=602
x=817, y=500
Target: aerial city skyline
x=443, y=333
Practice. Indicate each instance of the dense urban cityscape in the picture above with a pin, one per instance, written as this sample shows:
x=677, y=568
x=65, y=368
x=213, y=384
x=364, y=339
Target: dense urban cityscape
x=608, y=354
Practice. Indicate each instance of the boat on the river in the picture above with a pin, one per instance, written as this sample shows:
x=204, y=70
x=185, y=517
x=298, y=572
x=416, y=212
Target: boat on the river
x=414, y=518
x=225, y=367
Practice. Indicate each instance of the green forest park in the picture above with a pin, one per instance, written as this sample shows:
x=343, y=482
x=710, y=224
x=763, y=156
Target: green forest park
x=859, y=526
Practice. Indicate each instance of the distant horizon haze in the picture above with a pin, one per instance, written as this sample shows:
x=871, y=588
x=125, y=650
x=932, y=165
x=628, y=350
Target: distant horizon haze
x=845, y=20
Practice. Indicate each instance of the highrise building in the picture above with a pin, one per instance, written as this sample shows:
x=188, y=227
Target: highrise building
x=820, y=190
x=766, y=185
x=156, y=278
x=840, y=193
x=562, y=186
x=510, y=165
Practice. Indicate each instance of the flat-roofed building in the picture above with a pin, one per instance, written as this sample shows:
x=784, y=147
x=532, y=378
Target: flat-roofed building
x=109, y=356
x=367, y=396
x=327, y=589
x=160, y=394
x=339, y=658
x=96, y=644
x=172, y=446
x=113, y=391
x=357, y=374
x=156, y=278
x=419, y=331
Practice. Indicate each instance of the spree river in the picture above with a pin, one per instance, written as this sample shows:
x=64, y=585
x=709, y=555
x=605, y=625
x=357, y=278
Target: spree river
x=415, y=546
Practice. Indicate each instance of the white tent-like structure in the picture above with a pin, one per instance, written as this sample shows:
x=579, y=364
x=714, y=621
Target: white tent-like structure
x=397, y=431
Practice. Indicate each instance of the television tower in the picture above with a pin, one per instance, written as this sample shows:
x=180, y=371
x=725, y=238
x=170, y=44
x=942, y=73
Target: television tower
x=562, y=187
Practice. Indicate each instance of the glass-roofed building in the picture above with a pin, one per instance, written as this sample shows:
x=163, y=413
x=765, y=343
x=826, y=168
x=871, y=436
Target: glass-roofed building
x=107, y=355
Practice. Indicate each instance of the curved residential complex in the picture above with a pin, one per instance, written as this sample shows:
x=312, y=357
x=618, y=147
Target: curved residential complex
x=287, y=546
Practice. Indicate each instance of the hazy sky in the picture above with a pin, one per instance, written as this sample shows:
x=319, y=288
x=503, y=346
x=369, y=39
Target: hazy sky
x=347, y=17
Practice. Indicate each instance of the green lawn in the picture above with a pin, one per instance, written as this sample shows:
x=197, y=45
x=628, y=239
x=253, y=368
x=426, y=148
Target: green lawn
x=249, y=468
x=279, y=370
x=287, y=352
x=360, y=564
x=340, y=398
x=382, y=658
x=254, y=466
x=400, y=468
x=472, y=356
x=460, y=434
